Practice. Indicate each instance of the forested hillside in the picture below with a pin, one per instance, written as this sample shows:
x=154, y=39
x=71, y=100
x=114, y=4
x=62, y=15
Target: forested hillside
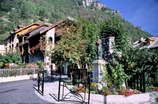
x=23, y=12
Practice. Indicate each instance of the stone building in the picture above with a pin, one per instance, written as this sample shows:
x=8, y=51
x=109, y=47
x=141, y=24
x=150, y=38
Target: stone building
x=11, y=43
x=34, y=42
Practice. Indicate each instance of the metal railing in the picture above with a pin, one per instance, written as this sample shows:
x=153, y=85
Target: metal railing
x=142, y=81
x=17, y=72
x=40, y=82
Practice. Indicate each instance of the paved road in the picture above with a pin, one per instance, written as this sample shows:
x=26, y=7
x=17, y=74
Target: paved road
x=20, y=92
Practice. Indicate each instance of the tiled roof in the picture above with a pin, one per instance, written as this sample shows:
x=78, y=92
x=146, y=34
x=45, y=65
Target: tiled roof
x=154, y=44
x=28, y=28
x=56, y=24
x=150, y=42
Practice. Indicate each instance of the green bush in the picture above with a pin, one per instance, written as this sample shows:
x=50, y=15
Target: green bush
x=40, y=64
x=11, y=58
x=1, y=64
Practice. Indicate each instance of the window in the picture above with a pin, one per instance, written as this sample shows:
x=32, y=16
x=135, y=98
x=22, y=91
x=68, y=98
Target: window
x=50, y=40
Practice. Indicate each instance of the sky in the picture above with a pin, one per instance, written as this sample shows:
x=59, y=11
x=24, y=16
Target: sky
x=141, y=13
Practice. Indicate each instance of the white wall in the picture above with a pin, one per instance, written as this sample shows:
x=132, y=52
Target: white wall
x=49, y=47
x=2, y=49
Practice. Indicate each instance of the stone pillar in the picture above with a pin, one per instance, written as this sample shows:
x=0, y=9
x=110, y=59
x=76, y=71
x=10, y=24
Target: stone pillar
x=111, y=44
x=98, y=70
x=66, y=68
x=100, y=51
x=49, y=46
x=98, y=65
x=47, y=67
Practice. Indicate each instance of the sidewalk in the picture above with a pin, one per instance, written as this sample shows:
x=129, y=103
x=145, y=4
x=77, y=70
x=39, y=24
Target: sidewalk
x=51, y=93
x=17, y=78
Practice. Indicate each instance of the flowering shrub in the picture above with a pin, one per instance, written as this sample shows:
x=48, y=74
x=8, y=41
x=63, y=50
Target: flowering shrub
x=93, y=84
x=128, y=92
x=154, y=88
x=136, y=91
x=94, y=88
x=107, y=92
x=80, y=89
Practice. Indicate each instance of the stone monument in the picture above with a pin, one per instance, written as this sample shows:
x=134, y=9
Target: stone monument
x=98, y=65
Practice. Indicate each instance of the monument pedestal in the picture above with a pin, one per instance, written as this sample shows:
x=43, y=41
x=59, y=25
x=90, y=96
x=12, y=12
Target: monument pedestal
x=98, y=69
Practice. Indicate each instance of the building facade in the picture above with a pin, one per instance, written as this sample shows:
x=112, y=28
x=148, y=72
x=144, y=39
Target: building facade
x=36, y=41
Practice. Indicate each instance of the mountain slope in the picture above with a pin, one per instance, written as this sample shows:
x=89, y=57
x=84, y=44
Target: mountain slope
x=17, y=12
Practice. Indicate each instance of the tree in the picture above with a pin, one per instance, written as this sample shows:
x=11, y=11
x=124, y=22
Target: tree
x=77, y=45
x=70, y=48
x=89, y=32
x=114, y=27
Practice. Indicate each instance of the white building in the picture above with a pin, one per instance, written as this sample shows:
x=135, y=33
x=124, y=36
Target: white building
x=2, y=49
x=87, y=2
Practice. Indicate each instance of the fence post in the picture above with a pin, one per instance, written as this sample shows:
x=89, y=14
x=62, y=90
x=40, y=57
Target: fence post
x=137, y=77
x=89, y=87
x=43, y=83
x=140, y=81
x=144, y=82
x=134, y=81
x=38, y=81
x=59, y=84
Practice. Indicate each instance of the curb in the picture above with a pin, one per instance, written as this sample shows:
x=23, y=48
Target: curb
x=17, y=78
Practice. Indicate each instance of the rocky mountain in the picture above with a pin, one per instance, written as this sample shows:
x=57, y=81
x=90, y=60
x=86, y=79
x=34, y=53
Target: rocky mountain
x=24, y=12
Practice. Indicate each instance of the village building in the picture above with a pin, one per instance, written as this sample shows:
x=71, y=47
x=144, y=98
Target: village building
x=149, y=42
x=2, y=49
x=98, y=5
x=87, y=2
x=34, y=42
x=93, y=3
x=11, y=43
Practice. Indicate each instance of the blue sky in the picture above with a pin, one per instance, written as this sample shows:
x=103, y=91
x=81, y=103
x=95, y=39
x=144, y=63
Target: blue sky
x=142, y=13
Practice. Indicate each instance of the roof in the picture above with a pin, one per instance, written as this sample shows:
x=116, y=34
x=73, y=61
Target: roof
x=150, y=42
x=154, y=44
x=37, y=28
x=36, y=31
x=57, y=24
x=28, y=28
